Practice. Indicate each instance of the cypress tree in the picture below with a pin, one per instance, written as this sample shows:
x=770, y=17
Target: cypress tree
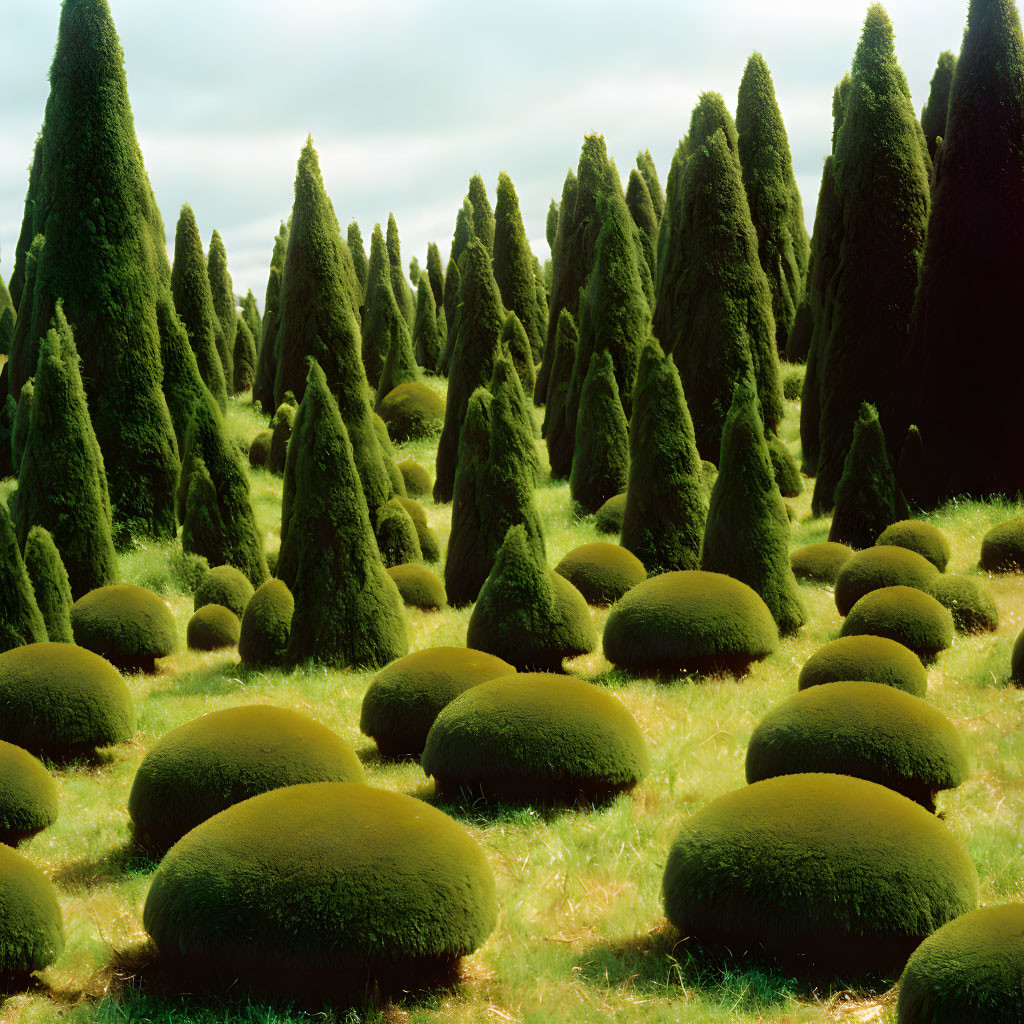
x=551, y=225
x=392, y=474
x=645, y=165
x=540, y=294
x=8, y=414
x=358, y=252
x=223, y=292
x=266, y=367
x=516, y=345
x=505, y=377
x=747, y=531
x=400, y=366
x=183, y=386
x=477, y=344
x=933, y=116
x=251, y=316
x=21, y=622
x=384, y=322
x=600, y=465
x=7, y=318
x=49, y=584
x=414, y=271
x=426, y=335
x=28, y=228
x=560, y=445
x=22, y=421
x=348, y=611
x=399, y=285
x=193, y=301
x=244, y=357
x=666, y=498
x=435, y=274
x=452, y=284
x=883, y=185
x=24, y=347
x=776, y=208
x=970, y=281
x=483, y=217
x=641, y=209
x=465, y=231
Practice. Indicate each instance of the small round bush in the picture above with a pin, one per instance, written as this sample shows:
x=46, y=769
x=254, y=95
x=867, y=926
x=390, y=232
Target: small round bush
x=213, y=628
x=917, y=535
x=28, y=795
x=403, y=700
x=60, y=699
x=817, y=870
x=419, y=586
x=535, y=737
x=602, y=572
x=281, y=434
x=331, y=880
x=689, y=621
x=412, y=410
x=259, y=450
x=418, y=483
x=608, y=518
x=970, y=970
x=430, y=547
x=874, y=568
x=903, y=614
x=793, y=383
x=129, y=626
x=31, y=923
x=227, y=586
x=968, y=601
x=200, y=768
x=873, y=659
x=820, y=563
x=867, y=730
x=397, y=538
x=266, y=626
x=1002, y=548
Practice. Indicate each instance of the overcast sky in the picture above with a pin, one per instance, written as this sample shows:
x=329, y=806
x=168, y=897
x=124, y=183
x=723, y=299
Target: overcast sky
x=406, y=99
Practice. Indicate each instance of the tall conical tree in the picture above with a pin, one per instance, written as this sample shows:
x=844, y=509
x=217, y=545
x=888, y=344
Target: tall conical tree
x=49, y=584
x=183, y=386
x=645, y=165
x=21, y=622
x=223, y=292
x=747, y=532
x=62, y=485
x=559, y=440
x=244, y=357
x=193, y=301
x=251, y=316
x=400, y=366
x=483, y=216
x=882, y=182
x=516, y=345
x=551, y=225
x=936, y=110
x=426, y=335
x=452, y=285
x=399, y=285
x=513, y=264
x=7, y=318
x=358, y=251
x=28, y=228
x=666, y=497
x=435, y=274
x=384, y=321
x=465, y=231
x=641, y=209
x=266, y=368
x=22, y=421
x=24, y=346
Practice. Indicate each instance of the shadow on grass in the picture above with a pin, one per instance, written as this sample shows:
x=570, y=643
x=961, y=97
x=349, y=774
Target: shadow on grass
x=478, y=811
x=128, y=858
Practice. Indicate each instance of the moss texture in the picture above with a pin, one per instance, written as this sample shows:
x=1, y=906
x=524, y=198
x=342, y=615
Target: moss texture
x=223, y=292
x=513, y=266
x=418, y=482
x=183, y=385
x=397, y=538
x=641, y=209
x=21, y=621
x=266, y=366
x=383, y=321
x=266, y=626
x=419, y=586
x=936, y=110
x=784, y=467
x=602, y=572
x=22, y=422
x=516, y=345
x=224, y=585
x=31, y=922
x=412, y=410
x=28, y=795
x=400, y=365
x=357, y=250
x=874, y=659
x=128, y=625
x=429, y=544
x=49, y=584
x=435, y=274
x=903, y=614
x=557, y=436
x=820, y=563
x=244, y=357
x=920, y=536
x=427, y=337
x=280, y=434
x=212, y=628
x=969, y=602
x=877, y=567
x=1002, y=548
x=608, y=518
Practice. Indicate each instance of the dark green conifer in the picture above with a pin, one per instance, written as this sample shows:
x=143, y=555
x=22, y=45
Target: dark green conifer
x=516, y=344
x=49, y=584
x=7, y=318
x=22, y=421
x=435, y=273
x=933, y=116
x=600, y=465
x=747, y=531
x=223, y=292
x=559, y=439
x=483, y=217
x=28, y=228
x=414, y=271
x=400, y=366
x=452, y=284
x=551, y=225
x=513, y=264
x=645, y=165
x=24, y=347
x=8, y=414
x=358, y=252
x=384, y=321
x=426, y=335
x=666, y=498
x=641, y=209
x=392, y=474
x=21, y=622
x=193, y=302
x=266, y=368
x=251, y=316
x=244, y=357
x=399, y=285
x=465, y=232
x=183, y=386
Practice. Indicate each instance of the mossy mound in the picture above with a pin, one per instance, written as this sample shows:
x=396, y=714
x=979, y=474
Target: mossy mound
x=419, y=586
x=198, y=769
x=820, y=871
x=689, y=621
x=403, y=700
x=820, y=563
x=213, y=628
x=608, y=518
x=602, y=572
x=412, y=410
x=887, y=566
x=968, y=601
x=785, y=468
x=430, y=547
x=873, y=659
x=62, y=700
x=917, y=535
x=31, y=923
x=535, y=737
x=397, y=537
x=266, y=626
x=867, y=730
x=224, y=585
x=328, y=880
x=970, y=970
x=259, y=449
x=793, y=382
x=903, y=614
x=418, y=481
x=128, y=625
x=28, y=795
x=1002, y=548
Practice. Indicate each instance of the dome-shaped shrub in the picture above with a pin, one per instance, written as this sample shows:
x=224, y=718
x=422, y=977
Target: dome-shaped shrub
x=419, y=586
x=867, y=730
x=820, y=563
x=213, y=628
x=689, y=621
x=128, y=625
x=62, y=699
x=970, y=970
x=327, y=880
x=28, y=795
x=31, y=924
x=917, y=535
x=874, y=568
x=259, y=449
x=418, y=482
x=968, y=601
x=535, y=737
x=403, y=700
x=608, y=518
x=200, y=768
x=429, y=545
x=903, y=614
x=822, y=869
x=412, y=410
x=227, y=586
x=266, y=626
x=602, y=572
x=397, y=538
x=1002, y=548
x=873, y=659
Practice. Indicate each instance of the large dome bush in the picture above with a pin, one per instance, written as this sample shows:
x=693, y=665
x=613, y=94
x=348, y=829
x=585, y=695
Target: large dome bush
x=227, y=586
x=1002, y=548
x=877, y=567
x=129, y=626
x=419, y=586
x=967, y=599
x=820, y=563
x=602, y=572
x=920, y=536
x=874, y=659
x=412, y=410
x=212, y=628
x=28, y=795
x=903, y=614
x=266, y=626
x=31, y=924
x=608, y=518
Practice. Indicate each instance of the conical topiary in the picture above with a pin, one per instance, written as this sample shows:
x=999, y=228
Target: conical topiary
x=400, y=367
x=358, y=252
x=435, y=274
x=452, y=285
x=397, y=539
x=223, y=292
x=183, y=386
x=244, y=357
x=390, y=459
x=28, y=229
x=7, y=318
x=22, y=421
x=934, y=114
x=266, y=367
x=399, y=285
x=483, y=216
x=513, y=264
x=21, y=363
x=645, y=165
x=551, y=225
x=383, y=321
x=641, y=209
x=559, y=440
x=251, y=316
x=426, y=335
x=49, y=584
x=21, y=622
x=516, y=344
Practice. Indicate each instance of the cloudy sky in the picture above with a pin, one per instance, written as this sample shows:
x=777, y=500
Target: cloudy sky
x=405, y=99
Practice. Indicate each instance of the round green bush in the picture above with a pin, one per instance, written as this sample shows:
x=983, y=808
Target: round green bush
x=873, y=659
x=874, y=568
x=903, y=614
x=397, y=538
x=418, y=483
x=31, y=924
x=412, y=410
x=213, y=628
x=419, y=586
x=793, y=383
x=817, y=870
x=328, y=881
x=608, y=518
x=689, y=621
x=602, y=572
x=820, y=563
x=227, y=586
x=968, y=601
x=28, y=795
x=259, y=450
x=1002, y=548
x=403, y=700
x=129, y=626
x=266, y=626
x=867, y=730
x=61, y=699
x=970, y=970
x=198, y=769
x=917, y=535
x=535, y=737
x=429, y=544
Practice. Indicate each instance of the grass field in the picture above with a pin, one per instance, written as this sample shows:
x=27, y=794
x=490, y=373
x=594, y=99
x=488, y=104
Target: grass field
x=580, y=935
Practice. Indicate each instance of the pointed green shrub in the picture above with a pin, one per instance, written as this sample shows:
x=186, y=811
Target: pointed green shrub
x=22, y=422
x=936, y=110
x=551, y=225
x=8, y=414
x=182, y=383
x=357, y=250
x=392, y=474
x=266, y=626
x=383, y=321
x=24, y=346
x=399, y=285
x=21, y=621
x=280, y=435
x=400, y=366
x=266, y=368
x=397, y=539
x=874, y=659
x=513, y=266
x=251, y=315
x=223, y=292
x=645, y=165
x=28, y=231
x=559, y=440
x=7, y=318
x=49, y=584
x=426, y=335
x=435, y=274
x=452, y=285
x=483, y=217
x=516, y=345
x=784, y=468
x=244, y=358
x=641, y=209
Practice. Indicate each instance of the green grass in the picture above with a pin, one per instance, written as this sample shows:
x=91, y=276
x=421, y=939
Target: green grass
x=580, y=935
